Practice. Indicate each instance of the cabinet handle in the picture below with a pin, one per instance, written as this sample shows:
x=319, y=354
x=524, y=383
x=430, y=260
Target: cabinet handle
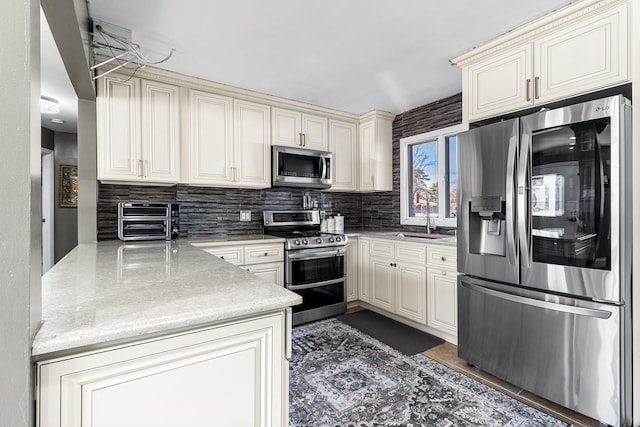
x=536, y=91
x=146, y=168
x=140, y=168
x=300, y=136
x=304, y=139
x=443, y=258
x=528, y=89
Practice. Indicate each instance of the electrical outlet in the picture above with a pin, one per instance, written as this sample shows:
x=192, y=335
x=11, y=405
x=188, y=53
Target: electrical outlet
x=245, y=215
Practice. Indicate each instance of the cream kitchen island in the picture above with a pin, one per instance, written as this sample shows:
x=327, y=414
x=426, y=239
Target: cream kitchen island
x=160, y=334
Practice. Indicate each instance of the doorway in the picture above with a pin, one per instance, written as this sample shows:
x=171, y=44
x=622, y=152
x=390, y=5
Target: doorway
x=48, y=201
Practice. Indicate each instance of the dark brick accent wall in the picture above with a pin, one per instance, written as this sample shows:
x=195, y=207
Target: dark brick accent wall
x=382, y=210
x=206, y=210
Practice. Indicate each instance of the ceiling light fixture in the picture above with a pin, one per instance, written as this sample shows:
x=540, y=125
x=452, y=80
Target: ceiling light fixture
x=58, y=121
x=49, y=106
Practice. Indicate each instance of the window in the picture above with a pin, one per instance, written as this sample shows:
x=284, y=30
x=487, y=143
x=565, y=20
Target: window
x=429, y=178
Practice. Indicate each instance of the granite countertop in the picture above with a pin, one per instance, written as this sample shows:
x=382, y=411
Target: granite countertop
x=112, y=291
x=404, y=236
x=242, y=239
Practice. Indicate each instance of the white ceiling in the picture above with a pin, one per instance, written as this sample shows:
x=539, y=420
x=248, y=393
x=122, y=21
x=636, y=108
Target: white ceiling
x=349, y=55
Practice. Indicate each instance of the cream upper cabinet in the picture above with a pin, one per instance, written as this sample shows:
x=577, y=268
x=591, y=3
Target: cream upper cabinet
x=375, y=149
x=228, y=142
x=252, y=151
x=295, y=129
x=500, y=83
x=138, y=131
x=580, y=49
x=210, y=138
x=343, y=143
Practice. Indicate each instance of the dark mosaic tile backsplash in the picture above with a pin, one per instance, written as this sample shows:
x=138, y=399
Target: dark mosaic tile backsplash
x=206, y=210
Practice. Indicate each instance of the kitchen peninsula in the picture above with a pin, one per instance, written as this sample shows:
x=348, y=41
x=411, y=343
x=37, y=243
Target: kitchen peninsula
x=160, y=332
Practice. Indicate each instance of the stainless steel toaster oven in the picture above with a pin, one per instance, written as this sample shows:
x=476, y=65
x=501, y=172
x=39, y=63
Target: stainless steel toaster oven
x=148, y=221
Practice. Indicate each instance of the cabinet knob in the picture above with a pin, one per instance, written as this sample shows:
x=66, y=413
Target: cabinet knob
x=443, y=258
x=221, y=256
x=266, y=254
x=444, y=273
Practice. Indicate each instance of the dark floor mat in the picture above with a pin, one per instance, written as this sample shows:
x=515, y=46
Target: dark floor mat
x=403, y=338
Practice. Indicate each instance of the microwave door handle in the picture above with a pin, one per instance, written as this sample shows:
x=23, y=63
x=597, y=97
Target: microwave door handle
x=323, y=159
x=511, y=165
x=523, y=201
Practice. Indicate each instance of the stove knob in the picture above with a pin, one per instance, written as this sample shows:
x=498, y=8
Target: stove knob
x=331, y=239
x=338, y=239
x=304, y=241
x=319, y=240
x=297, y=242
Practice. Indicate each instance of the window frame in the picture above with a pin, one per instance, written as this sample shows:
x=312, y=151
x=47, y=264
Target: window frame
x=440, y=136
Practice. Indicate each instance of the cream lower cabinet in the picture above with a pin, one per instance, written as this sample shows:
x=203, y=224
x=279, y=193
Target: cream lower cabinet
x=442, y=291
x=398, y=278
x=230, y=375
x=138, y=131
x=228, y=142
x=351, y=270
x=577, y=50
x=264, y=260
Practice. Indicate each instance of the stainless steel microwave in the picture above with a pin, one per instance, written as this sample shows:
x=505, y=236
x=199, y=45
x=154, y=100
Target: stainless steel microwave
x=300, y=167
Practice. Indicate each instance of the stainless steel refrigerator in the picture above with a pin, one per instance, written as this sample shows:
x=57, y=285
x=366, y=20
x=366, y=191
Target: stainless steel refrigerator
x=544, y=255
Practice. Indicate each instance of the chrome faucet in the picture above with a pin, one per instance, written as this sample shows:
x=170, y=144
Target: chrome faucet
x=430, y=226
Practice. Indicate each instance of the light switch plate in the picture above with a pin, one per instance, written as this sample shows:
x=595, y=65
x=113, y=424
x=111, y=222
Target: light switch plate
x=245, y=216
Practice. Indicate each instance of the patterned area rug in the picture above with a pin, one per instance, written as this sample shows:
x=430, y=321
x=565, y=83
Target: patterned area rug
x=341, y=377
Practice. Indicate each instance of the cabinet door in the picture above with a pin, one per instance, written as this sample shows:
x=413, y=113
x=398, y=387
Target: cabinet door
x=364, y=285
x=271, y=272
x=443, y=301
x=160, y=126
x=411, y=290
x=314, y=129
x=119, y=147
x=351, y=275
x=382, y=277
x=367, y=141
x=343, y=143
x=499, y=83
x=252, y=151
x=286, y=127
x=210, y=136
x=230, y=375
x=583, y=57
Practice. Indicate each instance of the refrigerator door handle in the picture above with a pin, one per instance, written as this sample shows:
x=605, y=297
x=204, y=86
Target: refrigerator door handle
x=582, y=311
x=511, y=163
x=523, y=201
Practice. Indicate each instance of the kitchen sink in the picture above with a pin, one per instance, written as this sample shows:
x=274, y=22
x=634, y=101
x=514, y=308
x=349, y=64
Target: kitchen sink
x=405, y=234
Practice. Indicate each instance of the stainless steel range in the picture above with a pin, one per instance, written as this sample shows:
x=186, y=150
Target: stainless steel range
x=314, y=263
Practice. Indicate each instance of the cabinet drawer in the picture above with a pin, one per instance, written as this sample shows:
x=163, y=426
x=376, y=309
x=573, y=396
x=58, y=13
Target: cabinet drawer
x=410, y=253
x=232, y=254
x=442, y=257
x=381, y=248
x=256, y=254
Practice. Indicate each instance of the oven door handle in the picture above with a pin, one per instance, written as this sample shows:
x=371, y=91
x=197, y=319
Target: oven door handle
x=315, y=255
x=314, y=284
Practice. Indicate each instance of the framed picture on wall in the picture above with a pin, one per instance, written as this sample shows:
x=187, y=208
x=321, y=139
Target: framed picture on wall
x=68, y=186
